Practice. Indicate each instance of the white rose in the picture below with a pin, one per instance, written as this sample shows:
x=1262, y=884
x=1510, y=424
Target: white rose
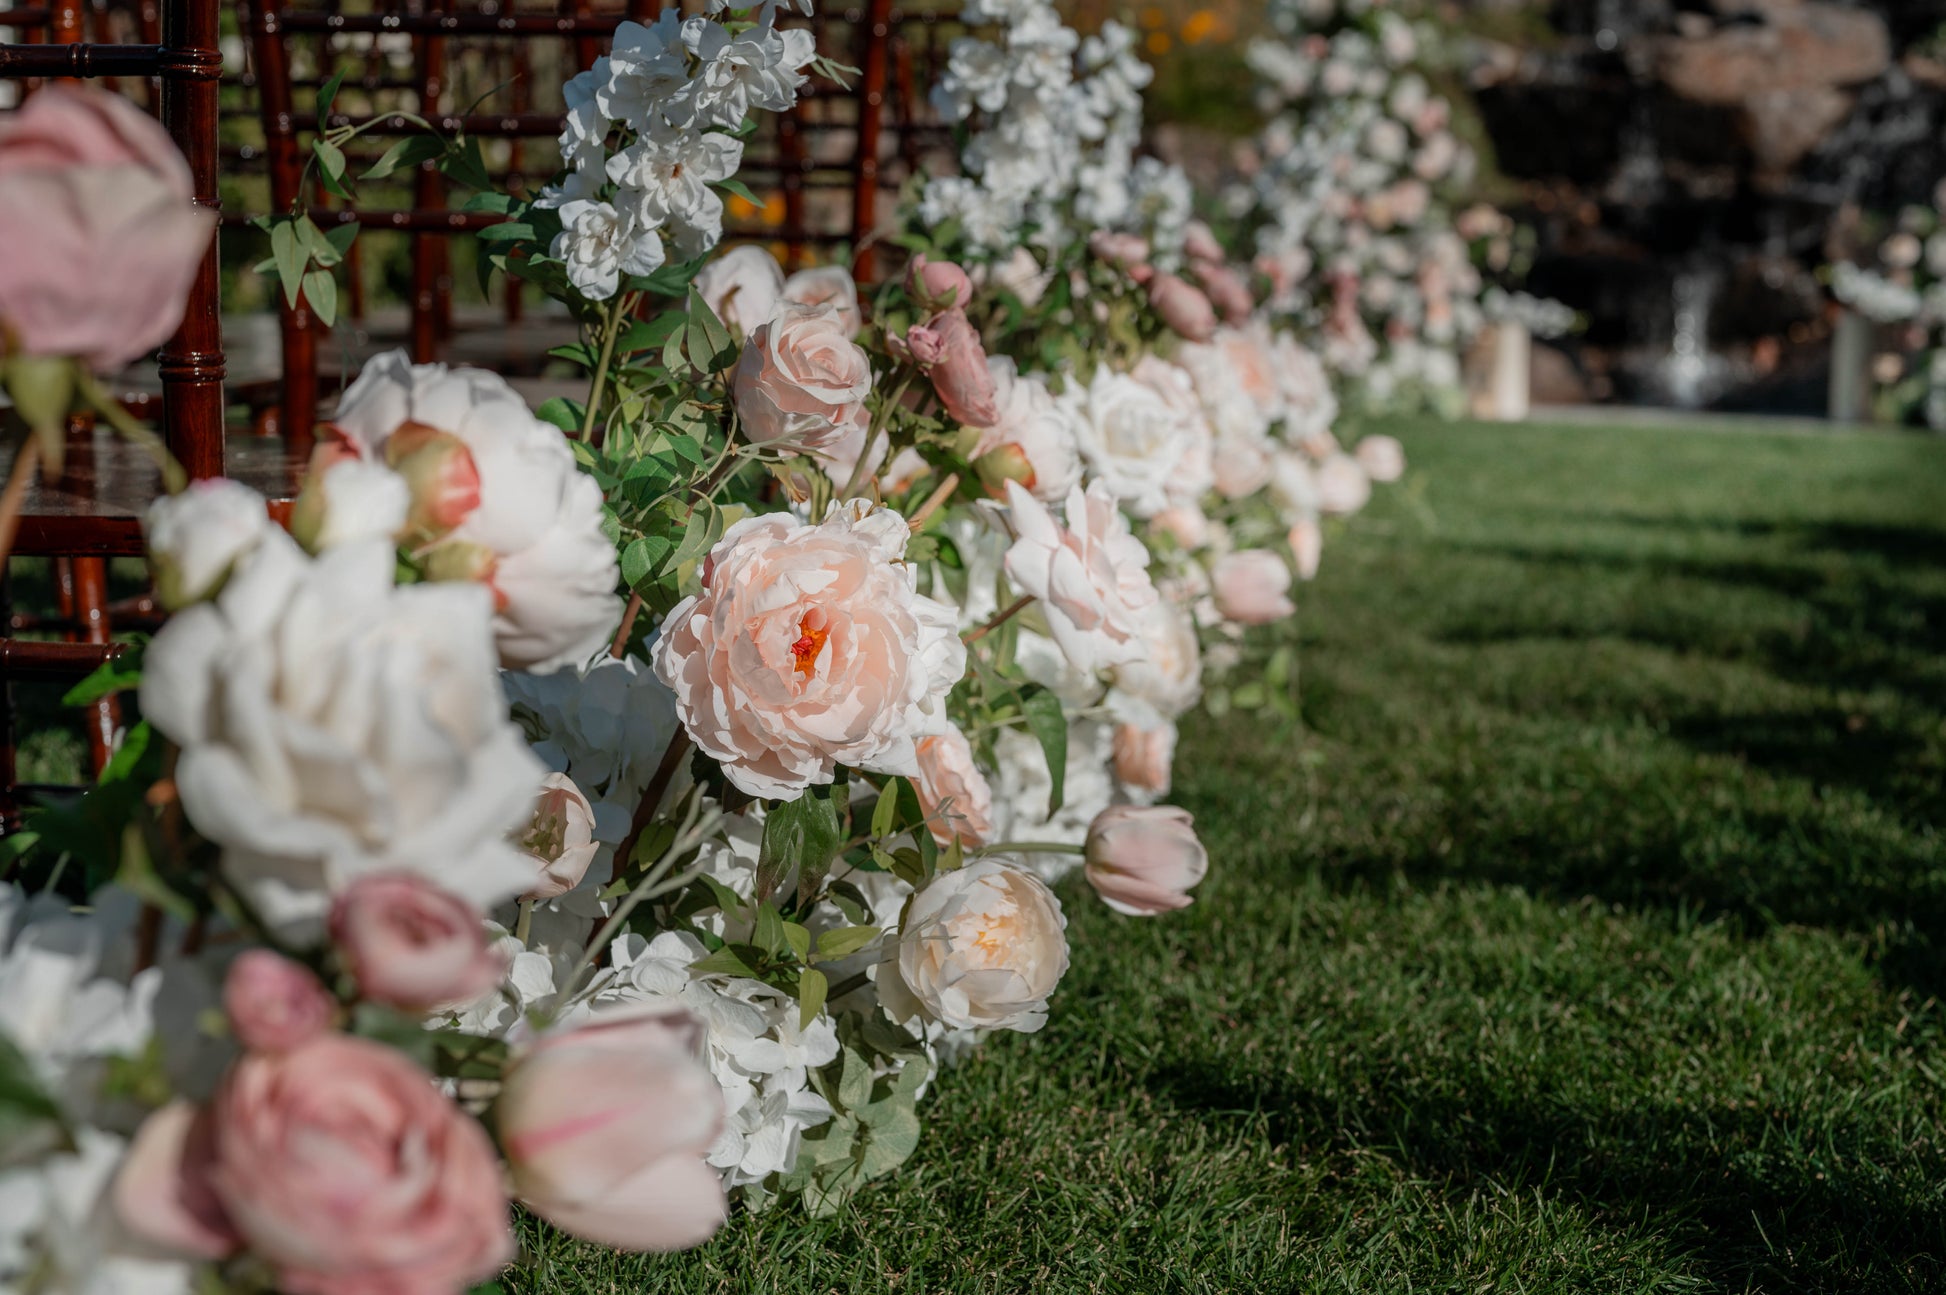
x=1033, y=441
x=333, y=726
x=198, y=536
x=981, y=948
x=743, y=287
x=497, y=499
x=1170, y=678
x=1130, y=437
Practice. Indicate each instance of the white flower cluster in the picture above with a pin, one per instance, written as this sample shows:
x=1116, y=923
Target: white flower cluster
x=650, y=131
x=1540, y=316
x=1904, y=284
x=1055, y=124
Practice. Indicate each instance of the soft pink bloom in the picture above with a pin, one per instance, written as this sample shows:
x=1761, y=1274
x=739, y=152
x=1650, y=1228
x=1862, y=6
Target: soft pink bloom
x=605, y=1123
x=1182, y=307
x=1200, y=244
x=1032, y=441
x=1251, y=587
x=1126, y=252
x=1344, y=486
x=100, y=235
x=1185, y=523
x=952, y=791
x=808, y=647
x=1143, y=862
x=948, y=348
x=559, y=837
x=337, y=1164
x=1091, y=575
x=1382, y=457
x=1307, y=547
x=981, y=947
x=1143, y=758
x=938, y=285
x=828, y=285
x=411, y=945
x=441, y=473
x=1226, y=291
x=802, y=381
x=743, y=286
x=274, y=1004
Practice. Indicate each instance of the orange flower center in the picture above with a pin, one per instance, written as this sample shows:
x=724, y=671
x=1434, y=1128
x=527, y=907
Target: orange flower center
x=808, y=646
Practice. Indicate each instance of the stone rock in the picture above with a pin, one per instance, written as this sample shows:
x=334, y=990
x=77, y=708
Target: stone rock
x=1808, y=45
x=1783, y=127
x=1556, y=380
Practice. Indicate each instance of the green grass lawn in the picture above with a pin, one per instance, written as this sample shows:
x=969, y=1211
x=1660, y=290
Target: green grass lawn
x=1588, y=939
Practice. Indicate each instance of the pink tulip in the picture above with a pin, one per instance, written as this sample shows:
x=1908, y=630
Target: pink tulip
x=1250, y=587
x=1143, y=862
x=1199, y=244
x=100, y=235
x=1144, y=758
x=1227, y=291
x=938, y=285
x=949, y=350
x=605, y=1125
x=412, y=945
x=1126, y=252
x=1184, y=309
x=338, y=1164
x=1307, y=547
x=274, y=1004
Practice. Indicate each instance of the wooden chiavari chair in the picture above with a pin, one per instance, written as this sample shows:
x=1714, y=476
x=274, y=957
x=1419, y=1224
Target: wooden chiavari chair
x=93, y=512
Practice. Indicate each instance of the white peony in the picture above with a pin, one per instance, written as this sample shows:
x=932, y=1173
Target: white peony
x=1091, y=575
x=1033, y=441
x=196, y=537
x=1130, y=438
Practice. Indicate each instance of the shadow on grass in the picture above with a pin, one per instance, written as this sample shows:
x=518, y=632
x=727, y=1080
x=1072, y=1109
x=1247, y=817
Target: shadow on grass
x=1749, y=1195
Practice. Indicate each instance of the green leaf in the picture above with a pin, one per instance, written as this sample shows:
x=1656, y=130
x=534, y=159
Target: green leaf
x=635, y=563
x=331, y=166
x=407, y=1034
x=410, y=152
x=769, y=933
x=110, y=677
x=741, y=190
x=512, y=231
x=463, y=162
x=1049, y=724
x=802, y=832
x=328, y=95
x=321, y=290
x=885, y=814
x=799, y=940
x=854, y=1081
x=128, y=757
x=27, y=1112
x=845, y=941
x=811, y=990
x=289, y=255
x=730, y=960
x=562, y=412
x=727, y=900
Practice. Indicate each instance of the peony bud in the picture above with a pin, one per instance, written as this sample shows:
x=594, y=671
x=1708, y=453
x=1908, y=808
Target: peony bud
x=605, y=1124
x=274, y=1004
x=1184, y=309
x=559, y=837
x=938, y=285
x=1126, y=252
x=1142, y=862
x=1250, y=587
x=439, y=469
x=457, y=560
x=1307, y=547
x=999, y=466
x=411, y=945
x=949, y=350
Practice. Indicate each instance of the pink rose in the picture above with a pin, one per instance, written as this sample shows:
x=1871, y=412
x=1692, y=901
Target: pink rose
x=1184, y=309
x=1227, y=291
x=560, y=837
x=412, y=945
x=1382, y=457
x=952, y=790
x=338, y=1164
x=1143, y=759
x=948, y=348
x=1126, y=252
x=938, y=285
x=1250, y=587
x=1142, y=862
x=274, y=1004
x=100, y=234
x=808, y=647
x=1307, y=547
x=605, y=1124
x=802, y=381
x=1343, y=485
x=828, y=285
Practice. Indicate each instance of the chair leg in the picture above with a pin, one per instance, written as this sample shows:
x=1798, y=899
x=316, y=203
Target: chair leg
x=9, y=766
x=89, y=600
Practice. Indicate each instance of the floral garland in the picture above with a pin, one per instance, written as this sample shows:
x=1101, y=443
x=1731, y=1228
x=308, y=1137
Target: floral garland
x=670, y=782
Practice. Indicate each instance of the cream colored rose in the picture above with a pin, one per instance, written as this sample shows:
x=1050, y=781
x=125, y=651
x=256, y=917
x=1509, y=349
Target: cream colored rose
x=1343, y=485
x=801, y=382
x=981, y=948
x=1131, y=438
x=952, y=791
x=810, y=647
x=1170, y=677
x=743, y=287
x=1091, y=576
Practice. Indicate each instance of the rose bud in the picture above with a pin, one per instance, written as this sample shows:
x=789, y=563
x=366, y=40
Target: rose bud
x=197, y=538
x=938, y=285
x=949, y=350
x=1227, y=292
x=1250, y=587
x=1307, y=547
x=274, y=1004
x=1143, y=759
x=1184, y=309
x=1126, y=252
x=1143, y=861
x=559, y=837
x=411, y=945
x=952, y=791
x=605, y=1124
x=1199, y=244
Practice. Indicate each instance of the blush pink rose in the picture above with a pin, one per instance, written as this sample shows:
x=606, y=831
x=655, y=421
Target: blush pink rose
x=1182, y=307
x=938, y=285
x=1344, y=487
x=411, y=945
x=274, y=1004
x=100, y=234
x=606, y=1122
x=1144, y=758
x=1091, y=575
x=948, y=348
x=1382, y=457
x=808, y=647
x=337, y=1164
x=1250, y=587
x=1307, y=547
x=1143, y=862
x=952, y=791
x=801, y=381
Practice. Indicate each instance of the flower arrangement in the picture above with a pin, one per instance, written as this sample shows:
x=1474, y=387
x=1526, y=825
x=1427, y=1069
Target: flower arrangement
x=1903, y=284
x=626, y=808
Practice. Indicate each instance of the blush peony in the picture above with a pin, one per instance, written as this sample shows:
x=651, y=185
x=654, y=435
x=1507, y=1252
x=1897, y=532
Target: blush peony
x=808, y=647
x=981, y=948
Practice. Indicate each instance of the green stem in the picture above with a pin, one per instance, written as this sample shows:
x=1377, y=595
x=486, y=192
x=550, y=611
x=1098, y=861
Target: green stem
x=611, y=329
x=1027, y=847
x=173, y=477
x=526, y=922
x=879, y=423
